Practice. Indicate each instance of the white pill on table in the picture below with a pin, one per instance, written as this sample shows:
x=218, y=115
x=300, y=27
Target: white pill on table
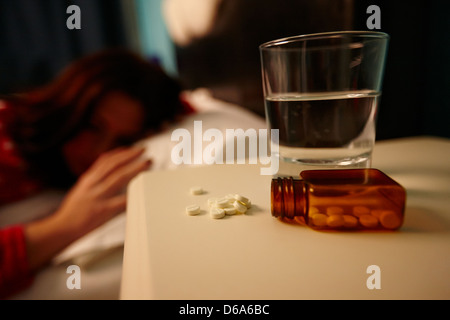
x=230, y=211
x=217, y=213
x=196, y=190
x=212, y=202
x=241, y=198
x=193, y=210
x=222, y=203
x=240, y=208
x=230, y=197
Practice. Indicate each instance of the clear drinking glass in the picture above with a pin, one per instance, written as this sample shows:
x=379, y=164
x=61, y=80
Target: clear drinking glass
x=322, y=92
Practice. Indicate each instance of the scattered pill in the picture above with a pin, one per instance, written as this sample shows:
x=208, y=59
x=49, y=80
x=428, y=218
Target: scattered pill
x=240, y=208
x=230, y=197
x=359, y=211
x=319, y=219
x=217, y=213
x=229, y=204
x=350, y=221
x=230, y=211
x=335, y=221
x=222, y=203
x=240, y=198
x=334, y=211
x=390, y=220
x=368, y=221
x=196, y=190
x=212, y=202
x=193, y=210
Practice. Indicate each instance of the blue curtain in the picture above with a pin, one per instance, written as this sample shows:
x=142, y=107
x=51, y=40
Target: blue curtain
x=35, y=43
x=154, y=37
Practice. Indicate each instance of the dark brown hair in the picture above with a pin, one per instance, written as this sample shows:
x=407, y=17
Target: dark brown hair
x=48, y=117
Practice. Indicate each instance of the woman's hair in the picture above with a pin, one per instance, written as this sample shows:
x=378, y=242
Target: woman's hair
x=48, y=117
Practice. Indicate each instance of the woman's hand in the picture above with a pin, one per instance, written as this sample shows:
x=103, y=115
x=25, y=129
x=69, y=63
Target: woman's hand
x=98, y=195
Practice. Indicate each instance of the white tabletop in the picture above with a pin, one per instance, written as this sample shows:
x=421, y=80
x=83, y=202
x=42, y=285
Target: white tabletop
x=170, y=255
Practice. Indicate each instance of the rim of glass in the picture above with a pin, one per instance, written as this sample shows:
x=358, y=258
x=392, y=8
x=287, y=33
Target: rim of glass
x=278, y=43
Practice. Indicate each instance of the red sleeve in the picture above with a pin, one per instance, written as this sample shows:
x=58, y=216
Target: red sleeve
x=15, y=274
x=15, y=182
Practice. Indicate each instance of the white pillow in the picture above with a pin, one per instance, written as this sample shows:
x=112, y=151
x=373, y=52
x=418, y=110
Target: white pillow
x=213, y=114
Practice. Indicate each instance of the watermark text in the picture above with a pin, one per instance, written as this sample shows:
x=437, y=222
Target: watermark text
x=236, y=146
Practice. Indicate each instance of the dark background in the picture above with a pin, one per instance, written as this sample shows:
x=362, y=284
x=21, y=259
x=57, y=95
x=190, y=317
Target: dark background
x=35, y=45
x=416, y=88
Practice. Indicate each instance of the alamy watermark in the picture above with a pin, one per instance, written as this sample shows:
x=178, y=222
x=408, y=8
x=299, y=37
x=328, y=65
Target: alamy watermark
x=237, y=146
x=374, y=20
x=374, y=280
x=74, y=20
x=74, y=280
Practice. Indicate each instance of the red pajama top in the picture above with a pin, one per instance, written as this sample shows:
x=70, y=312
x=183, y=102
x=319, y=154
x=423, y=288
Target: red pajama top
x=15, y=185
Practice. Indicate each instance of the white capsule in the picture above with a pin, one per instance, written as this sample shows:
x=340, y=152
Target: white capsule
x=196, y=190
x=193, y=210
x=217, y=213
x=240, y=208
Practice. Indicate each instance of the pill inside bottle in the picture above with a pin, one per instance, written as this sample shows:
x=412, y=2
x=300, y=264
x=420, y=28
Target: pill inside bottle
x=343, y=199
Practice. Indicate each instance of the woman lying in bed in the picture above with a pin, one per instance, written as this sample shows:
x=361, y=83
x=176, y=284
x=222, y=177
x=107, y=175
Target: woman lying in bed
x=76, y=134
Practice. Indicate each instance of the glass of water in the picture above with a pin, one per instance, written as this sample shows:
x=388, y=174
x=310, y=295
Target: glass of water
x=321, y=93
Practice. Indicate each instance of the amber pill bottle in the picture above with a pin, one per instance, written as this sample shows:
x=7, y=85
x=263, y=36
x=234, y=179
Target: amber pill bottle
x=343, y=199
